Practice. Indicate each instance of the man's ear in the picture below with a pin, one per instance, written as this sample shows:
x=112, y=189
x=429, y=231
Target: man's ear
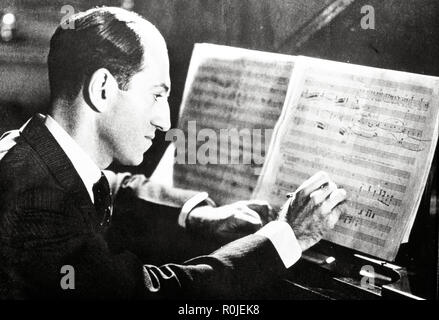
x=102, y=88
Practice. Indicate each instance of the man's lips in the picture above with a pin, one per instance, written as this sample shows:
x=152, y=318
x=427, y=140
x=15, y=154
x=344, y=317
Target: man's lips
x=151, y=137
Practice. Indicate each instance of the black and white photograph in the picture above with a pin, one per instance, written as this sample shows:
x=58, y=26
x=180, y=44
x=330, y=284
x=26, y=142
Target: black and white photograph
x=219, y=154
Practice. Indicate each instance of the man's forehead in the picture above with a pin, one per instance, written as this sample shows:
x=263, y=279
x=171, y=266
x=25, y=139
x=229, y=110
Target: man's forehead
x=152, y=77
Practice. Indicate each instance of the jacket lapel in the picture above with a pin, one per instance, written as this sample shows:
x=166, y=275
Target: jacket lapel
x=41, y=140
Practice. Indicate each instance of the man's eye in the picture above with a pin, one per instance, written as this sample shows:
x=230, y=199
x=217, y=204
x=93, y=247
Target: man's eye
x=157, y=96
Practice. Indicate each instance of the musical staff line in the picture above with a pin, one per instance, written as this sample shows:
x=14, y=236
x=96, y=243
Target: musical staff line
x=361, y=149
x=201, y=89
x=327, y=153
x=347, y=174
x=211, y=108
x=389, y=84
x=360, y=134
x=224, y=82
x=359, y=235
x=361, y=117
x=245, y=65
x=379, y=96
x=357, y=222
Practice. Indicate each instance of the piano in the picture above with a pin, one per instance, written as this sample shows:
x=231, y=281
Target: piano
x=326, y=271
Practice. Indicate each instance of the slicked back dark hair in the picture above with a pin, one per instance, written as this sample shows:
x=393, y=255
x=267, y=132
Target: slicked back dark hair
x=98, y=40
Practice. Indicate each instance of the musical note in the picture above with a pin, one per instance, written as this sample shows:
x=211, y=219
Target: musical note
x=342, y=100
x=347, y=219
x=311, y=95
x=342, y=131
x=321, y=125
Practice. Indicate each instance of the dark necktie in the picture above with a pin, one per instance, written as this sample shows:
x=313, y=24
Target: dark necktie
x=102, y=198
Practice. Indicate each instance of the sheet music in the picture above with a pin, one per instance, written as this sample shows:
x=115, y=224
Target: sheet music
x=374, y=131
x=230, y=88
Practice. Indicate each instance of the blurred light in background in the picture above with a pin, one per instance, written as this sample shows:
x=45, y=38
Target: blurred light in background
x=8, y=26
x=127, y=4
x=9, y=18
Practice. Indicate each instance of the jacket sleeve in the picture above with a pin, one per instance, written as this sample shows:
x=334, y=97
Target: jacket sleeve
x=46, y=230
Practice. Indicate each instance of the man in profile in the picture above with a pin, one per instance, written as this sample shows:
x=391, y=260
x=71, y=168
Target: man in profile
x=109, y=82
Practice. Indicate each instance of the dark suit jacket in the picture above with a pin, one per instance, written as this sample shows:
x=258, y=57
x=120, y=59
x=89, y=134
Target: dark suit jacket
x=47, y=220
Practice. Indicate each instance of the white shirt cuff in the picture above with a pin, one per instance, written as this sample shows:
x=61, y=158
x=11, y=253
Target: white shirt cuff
x=283, y=239
x=189, y=206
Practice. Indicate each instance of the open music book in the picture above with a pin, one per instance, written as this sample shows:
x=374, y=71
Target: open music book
x=258, y=124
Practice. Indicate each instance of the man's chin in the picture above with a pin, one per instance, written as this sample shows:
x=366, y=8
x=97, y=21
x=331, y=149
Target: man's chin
x=133, y=157
x=133, y=160
x=136, y=161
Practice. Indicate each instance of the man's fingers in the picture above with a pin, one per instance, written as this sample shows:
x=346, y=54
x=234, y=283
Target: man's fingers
x=334, y=199
x=321, y=194
x=333, y=218
x=313, y=183
x=335, y=215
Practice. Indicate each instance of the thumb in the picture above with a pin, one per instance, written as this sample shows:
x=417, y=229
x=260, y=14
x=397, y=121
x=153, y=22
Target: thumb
x=248, y=216
x=335, y=215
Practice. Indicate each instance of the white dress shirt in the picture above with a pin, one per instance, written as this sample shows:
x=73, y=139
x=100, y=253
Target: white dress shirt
x=88, y=171
x=279, y=233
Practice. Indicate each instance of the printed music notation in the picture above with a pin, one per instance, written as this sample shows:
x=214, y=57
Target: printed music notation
x=411, y=102
x=223, y=85
x=235, y=98
x=372, y=131
x=388, y=130
x=381, y=195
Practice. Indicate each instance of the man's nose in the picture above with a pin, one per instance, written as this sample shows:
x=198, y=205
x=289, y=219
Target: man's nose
x=162, y=117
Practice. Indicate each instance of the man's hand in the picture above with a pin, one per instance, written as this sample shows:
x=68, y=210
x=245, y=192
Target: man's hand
x=231, y=221
x=313, y=209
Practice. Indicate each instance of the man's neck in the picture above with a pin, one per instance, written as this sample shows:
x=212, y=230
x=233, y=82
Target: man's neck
x=80, y=124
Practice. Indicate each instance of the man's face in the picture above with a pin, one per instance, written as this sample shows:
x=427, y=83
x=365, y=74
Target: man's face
x=136, y=113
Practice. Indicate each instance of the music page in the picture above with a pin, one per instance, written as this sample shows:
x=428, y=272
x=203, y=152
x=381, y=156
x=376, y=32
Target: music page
x=374, y=131
x=233, y=98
